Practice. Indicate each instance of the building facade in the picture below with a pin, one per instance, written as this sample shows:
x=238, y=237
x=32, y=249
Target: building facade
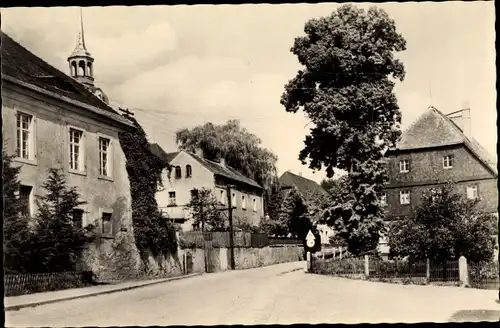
x=435, y=149
x=192, y=170
x=51, y=120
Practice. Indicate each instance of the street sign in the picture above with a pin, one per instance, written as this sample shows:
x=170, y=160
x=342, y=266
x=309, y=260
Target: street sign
x=310, y=239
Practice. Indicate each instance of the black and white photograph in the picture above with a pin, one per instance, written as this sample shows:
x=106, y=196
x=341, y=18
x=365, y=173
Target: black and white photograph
x=249, y=164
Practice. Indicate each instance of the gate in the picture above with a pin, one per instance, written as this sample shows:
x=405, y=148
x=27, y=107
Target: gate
x=208, y=250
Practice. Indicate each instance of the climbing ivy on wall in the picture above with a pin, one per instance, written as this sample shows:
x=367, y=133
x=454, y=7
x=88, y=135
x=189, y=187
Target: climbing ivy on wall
x=152, y=231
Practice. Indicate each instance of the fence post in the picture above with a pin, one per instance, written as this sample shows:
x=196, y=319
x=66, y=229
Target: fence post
x=367, y=266
x=463, y=271
x=428, y=270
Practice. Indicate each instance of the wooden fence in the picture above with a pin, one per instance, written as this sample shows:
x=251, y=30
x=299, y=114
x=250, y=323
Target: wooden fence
x=29, y=283
x=196, y=239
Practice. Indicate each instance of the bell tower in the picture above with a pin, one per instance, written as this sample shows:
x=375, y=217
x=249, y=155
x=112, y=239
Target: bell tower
x=81, y=62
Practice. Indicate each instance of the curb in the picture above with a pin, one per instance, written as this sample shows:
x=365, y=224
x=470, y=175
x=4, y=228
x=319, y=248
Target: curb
x=119, y=289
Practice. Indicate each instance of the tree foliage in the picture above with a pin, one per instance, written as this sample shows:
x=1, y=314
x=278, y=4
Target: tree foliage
x=241, y=149
x=444, y=227
x=152, y=231
x=205, y=210
x=57, y=240
x=15, y=226
x=345, y=89
x=293, y=218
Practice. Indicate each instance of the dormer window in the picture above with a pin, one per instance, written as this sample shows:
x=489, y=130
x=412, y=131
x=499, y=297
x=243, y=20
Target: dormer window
x=178, y=172
x=404, y=166
x=448, y=162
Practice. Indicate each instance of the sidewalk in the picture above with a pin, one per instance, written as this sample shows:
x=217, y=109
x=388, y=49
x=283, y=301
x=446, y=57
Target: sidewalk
x=22, y=301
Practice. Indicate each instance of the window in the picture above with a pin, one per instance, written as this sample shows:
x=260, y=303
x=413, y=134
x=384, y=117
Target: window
x=25, y=198
x=383, y=199
x=404, y=197
x=243, y=202
x=233, y=200
x=448, y=162
x=222, y=197
x=178, y=172
x=24, y=136
x=194, y=193
x=171, y=198
x=78, y=218
x=188, y=171
x=104, y=157
x=254, y=205
x=106, y=223
x=76, y=151
x=472, y=192
x=404, y=166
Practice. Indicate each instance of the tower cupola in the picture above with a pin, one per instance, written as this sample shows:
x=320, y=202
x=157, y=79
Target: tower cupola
x=81, y=62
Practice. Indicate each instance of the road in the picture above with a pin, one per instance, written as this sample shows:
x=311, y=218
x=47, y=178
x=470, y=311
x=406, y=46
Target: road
x=280, y=294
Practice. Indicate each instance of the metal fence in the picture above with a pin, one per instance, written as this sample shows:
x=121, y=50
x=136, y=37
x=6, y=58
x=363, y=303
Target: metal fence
x=484, y=275
x=21, y=284
x=355, y=267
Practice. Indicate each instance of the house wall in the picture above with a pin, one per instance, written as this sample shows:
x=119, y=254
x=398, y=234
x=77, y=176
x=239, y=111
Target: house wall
x=201, y=178
x=247, y=215
x=426, y=171
x=51, y=135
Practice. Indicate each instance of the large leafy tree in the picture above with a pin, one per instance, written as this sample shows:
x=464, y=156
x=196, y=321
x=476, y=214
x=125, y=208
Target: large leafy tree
x=346, y=89
x=15, y=226
x=57, y=241
x=241, y=150
x=444, y=227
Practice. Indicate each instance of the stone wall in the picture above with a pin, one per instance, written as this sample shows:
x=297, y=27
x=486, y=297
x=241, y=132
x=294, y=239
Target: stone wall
x=245, y=257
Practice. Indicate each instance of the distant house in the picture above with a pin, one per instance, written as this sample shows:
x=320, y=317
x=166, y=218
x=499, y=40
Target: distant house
x=310, y=190
x=192, y=170
x=52, y=120
x=434, y=149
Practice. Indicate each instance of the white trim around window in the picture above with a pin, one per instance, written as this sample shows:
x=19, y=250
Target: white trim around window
x=243, y=202
x=105, y=149
x=404, y=166
x=448, y=162
x=405, y=197
x=76, y=150
x=472, y=192
x=254, y=200
x=383, y=199
x=25, y=137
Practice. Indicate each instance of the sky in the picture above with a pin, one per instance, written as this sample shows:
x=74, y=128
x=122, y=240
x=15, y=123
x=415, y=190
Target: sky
x=181, y=66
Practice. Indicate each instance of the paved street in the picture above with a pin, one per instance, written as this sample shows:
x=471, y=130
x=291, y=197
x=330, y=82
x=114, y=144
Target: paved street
x=281, y=294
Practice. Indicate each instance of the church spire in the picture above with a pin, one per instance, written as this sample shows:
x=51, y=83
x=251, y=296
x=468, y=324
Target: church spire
x=81, y=61
x=81, y=36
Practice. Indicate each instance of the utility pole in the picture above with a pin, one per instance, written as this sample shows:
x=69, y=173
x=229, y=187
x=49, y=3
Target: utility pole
x=231, y=233
x=202, y=219
x=126, y=112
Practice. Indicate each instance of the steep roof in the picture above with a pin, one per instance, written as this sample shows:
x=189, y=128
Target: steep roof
x=159, y=152
x=22, y=65
x=219, y=169
x=304, y=185
x=434, y=129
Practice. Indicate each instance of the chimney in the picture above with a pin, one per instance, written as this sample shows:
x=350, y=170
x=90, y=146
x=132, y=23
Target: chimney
x=462, y=119
x=199, y=152
x=222, y=161
x=467, y=122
